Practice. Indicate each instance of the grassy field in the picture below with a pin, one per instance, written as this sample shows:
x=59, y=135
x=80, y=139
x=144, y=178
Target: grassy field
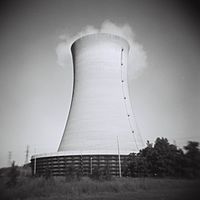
x=58, y=188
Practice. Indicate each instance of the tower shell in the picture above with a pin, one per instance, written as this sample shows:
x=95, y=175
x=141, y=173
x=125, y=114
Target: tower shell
x=100, y=112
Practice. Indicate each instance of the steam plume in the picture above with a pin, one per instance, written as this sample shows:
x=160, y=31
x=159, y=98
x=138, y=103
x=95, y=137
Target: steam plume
x=137, y=56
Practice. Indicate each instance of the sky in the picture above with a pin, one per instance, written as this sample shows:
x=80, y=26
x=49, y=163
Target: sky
x=36, y=84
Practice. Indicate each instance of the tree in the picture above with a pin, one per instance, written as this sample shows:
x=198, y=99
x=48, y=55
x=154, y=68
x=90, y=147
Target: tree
x=150, y=159
x=192, y=149
x=166, y=157
x=131, y=166
x=192, y=159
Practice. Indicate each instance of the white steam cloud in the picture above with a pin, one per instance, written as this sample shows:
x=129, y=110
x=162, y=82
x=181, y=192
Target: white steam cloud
x=137, y=56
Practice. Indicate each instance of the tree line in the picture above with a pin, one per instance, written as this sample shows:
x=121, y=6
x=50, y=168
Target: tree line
x=164, y=160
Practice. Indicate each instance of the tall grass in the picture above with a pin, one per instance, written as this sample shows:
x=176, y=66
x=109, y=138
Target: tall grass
x=58, y=188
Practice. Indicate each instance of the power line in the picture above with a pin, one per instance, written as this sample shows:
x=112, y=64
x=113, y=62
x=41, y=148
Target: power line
x=129, y=113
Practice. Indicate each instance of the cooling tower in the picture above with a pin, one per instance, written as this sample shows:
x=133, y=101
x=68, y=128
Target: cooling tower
x=99, y=132
x=100, y=108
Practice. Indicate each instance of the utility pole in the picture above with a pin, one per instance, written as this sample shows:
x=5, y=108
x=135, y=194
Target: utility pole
x=91, y=165
x=27, y=154
x=120, y=171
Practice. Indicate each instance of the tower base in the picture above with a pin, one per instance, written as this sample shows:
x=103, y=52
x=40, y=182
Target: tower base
x=83, y=165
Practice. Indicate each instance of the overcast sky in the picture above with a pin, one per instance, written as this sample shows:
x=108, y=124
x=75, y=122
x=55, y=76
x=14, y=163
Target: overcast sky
x=35, y=90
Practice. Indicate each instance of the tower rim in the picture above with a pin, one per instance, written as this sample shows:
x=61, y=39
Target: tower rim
x=101, y=35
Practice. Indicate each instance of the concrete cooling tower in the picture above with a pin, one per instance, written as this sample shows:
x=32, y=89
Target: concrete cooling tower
x=100, y=109
x=100, y=129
